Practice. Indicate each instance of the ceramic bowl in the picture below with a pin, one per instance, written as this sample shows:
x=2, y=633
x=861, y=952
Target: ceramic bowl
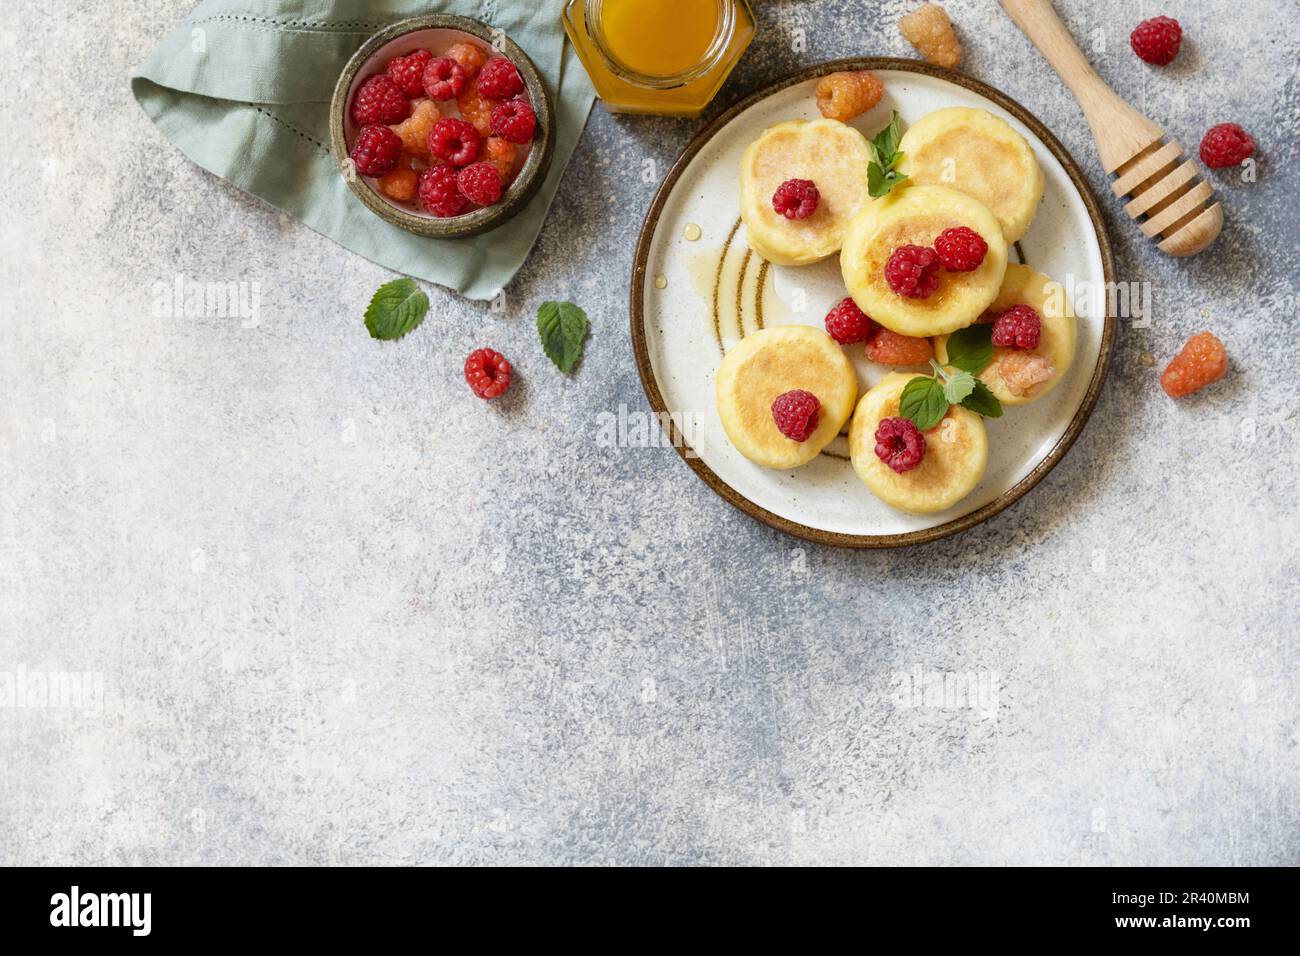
x=437, y=32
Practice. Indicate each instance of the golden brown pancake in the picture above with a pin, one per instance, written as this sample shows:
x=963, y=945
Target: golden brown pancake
x=979, y=154
x=834, y=157
x=769, y=363
x=1056, y=343
x=956, y=453
x=914, y=215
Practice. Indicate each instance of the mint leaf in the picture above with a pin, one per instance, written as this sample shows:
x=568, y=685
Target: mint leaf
x=958, y=387
x=563, y=328
x=923, y=401
x=879, y=183
x=982, y=401
x=881, y=175
x=885, y=143
x=396, y=308
x=971, y=349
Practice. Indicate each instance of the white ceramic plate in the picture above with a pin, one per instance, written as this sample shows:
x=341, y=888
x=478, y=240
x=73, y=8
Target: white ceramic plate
x=679, y=333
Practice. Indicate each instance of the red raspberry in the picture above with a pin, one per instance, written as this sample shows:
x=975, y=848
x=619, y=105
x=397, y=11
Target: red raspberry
x=913, y=271
x=1203, y=360
x=439, y=194
x=796, y=198
x=499, y=79
x=379, y=101
x=847, y=324
x=899, y=444
x=376, y=150
x=890, y=348
x=407, y=72
x=444, y=78
x=514, y=121
x=454, y=141
x=1226, y=145
x=480, y=183
x=960, y=249
x=1017, y=328
x=487, y=372
x=1157, y=40
x=796, y=413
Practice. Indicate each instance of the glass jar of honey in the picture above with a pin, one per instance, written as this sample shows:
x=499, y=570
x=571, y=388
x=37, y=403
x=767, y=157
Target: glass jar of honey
x=667, y=57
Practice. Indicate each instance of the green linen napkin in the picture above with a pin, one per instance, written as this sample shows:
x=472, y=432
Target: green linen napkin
x=243, y=89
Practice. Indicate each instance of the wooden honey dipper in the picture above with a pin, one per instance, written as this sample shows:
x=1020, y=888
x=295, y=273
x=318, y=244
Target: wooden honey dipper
x=1169, y=200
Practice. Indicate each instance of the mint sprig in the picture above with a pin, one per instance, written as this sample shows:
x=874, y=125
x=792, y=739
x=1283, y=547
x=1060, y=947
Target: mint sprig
x=971, y=348
x=396, y=308
x=982, y=401
x=926, y=399
x=881, y=175
x=563, y=328
x=923, y=402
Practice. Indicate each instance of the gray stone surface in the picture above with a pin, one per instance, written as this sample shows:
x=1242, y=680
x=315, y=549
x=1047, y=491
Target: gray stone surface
x=342, y=612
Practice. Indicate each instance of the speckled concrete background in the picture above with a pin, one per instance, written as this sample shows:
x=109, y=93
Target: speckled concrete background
x=336, y=610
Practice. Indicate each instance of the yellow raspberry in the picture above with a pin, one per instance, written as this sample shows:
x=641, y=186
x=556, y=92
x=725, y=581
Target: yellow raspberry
x=399, y=183
x=501, y=154
x=414, y=130
x=470, y=56
x=930, y=31
x=842, y=96
x=475, y=109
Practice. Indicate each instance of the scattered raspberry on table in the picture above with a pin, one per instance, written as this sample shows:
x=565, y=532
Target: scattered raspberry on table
x=1226, y=145
x=796, y=413
x=899, y=444
x=913, y=271
x=1157, y=40
x=1202, y=361
x=930, y=31
x=796, y=198
x=487, y=373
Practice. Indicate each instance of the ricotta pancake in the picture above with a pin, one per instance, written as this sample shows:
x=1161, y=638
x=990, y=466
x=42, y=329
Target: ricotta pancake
x=979, y=154
x=914, y=215
x=835, y=157
x=1018, y=376
x=956, y=453
x=769, y=363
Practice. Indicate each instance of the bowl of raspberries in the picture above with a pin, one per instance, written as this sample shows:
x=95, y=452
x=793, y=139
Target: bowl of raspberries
x=441, y=125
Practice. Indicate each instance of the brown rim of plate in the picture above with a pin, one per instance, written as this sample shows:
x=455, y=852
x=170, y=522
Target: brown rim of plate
x=1002, y=501
x=531, y=174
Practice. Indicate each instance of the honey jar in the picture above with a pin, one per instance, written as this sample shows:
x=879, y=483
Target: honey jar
x=667, y=57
